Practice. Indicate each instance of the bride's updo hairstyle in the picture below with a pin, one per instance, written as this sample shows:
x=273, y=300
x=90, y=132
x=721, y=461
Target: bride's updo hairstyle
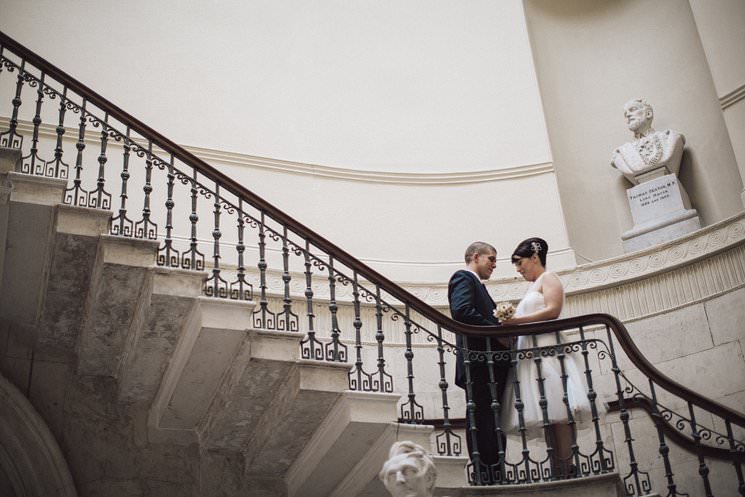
x=531, y=246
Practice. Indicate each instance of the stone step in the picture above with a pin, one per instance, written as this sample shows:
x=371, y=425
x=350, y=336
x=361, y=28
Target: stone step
x=73, y=252
x=608, y=485
x=254, y=379
x=160, y=323
x=121, y=286
x=356, y=423
x=213, y=336
x=299, y=405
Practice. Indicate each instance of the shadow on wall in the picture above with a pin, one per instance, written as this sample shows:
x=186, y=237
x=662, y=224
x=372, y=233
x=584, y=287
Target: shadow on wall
x=578, y=8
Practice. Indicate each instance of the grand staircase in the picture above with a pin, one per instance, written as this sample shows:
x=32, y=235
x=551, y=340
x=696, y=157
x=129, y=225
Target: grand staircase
x=134, y=365
x=151, y=388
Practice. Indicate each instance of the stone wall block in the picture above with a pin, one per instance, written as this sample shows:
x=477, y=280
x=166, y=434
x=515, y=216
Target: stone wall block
x=26, y=266
x=726, y=315
x=669, y=336
x=86, y=440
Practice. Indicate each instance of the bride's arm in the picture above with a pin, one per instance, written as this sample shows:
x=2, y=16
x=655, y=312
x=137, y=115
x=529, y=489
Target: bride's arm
x=553, y=297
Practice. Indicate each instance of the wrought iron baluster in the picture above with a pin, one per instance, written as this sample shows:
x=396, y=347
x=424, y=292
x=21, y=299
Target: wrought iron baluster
x=193, y=259
x=32, y=167
x=335, y=350
x=263, y=317
x=571, y=423
x=499, y=473
x=77, y=195
x=543, y=404
x=216, y=285
x=478, y=473
x=703, y=469
x=664, y=450
x=288, y=320
x=636, y=482
x=359, y=379
x=603, y=463
x=61, y=169
x=448, y=442
x=167, y=255
x=240, y=289
x=145, y=228
x=411, y=411
x=121, y=224
x=384, y=383
x=525, y=474
x=102, y=198
x=10, y=138
x=310, y=347
x=733, y=450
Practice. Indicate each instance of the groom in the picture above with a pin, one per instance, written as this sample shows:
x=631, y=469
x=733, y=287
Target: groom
x=470, y=303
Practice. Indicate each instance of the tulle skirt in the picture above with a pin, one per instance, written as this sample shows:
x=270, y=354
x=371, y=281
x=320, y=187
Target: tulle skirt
x=529, y=384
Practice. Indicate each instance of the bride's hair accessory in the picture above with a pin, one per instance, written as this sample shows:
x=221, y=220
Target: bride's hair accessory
x=530, y=247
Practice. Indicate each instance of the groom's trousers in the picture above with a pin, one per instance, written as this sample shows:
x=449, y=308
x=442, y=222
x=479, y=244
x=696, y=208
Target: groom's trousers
x=486, y=434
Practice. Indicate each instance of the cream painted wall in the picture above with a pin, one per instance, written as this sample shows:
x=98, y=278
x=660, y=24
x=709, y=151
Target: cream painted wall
x=395, y=86
x=591, y=57
x=721, y=24
x=419, y=88
x=419, y=232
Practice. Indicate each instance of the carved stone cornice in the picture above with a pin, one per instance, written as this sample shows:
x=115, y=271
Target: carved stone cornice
x=654, y=260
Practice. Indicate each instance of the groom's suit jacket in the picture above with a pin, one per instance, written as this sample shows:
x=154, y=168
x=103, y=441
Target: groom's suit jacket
x=470, y=303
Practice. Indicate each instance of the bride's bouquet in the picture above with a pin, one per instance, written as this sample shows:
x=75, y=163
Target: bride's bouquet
x=504, y=310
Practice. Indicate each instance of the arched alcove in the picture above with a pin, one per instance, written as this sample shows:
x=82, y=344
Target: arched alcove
x=31, y=462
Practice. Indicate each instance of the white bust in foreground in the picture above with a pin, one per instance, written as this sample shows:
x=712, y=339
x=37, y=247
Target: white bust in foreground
x=650, y=149
x=409, y=471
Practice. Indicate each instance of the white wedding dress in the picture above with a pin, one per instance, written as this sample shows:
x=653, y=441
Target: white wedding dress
x=526, y=373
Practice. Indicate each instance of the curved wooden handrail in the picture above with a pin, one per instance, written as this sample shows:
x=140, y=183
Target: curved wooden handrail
x=629, y=403
x=675, y=435
x=355, y=264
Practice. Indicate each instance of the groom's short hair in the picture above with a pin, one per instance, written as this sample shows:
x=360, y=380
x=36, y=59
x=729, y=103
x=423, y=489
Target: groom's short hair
x=478, y=248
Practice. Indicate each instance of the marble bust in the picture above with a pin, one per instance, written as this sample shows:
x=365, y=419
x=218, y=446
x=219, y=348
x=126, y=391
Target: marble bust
x=409, y=471
x=650, y=150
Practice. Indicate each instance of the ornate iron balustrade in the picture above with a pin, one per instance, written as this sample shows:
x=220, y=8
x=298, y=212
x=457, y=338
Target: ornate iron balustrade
x=159, y=191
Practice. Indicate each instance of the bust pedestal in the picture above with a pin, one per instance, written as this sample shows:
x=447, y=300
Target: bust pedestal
x=660, y=209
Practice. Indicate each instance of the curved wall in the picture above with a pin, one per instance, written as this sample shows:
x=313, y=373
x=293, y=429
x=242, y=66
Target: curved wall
x=403, y=131
x=414, y=86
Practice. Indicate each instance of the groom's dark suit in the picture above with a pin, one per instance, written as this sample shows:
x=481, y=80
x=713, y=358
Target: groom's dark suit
x=470, y=303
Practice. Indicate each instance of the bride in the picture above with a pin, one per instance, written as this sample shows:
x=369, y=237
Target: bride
x=544, y=300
